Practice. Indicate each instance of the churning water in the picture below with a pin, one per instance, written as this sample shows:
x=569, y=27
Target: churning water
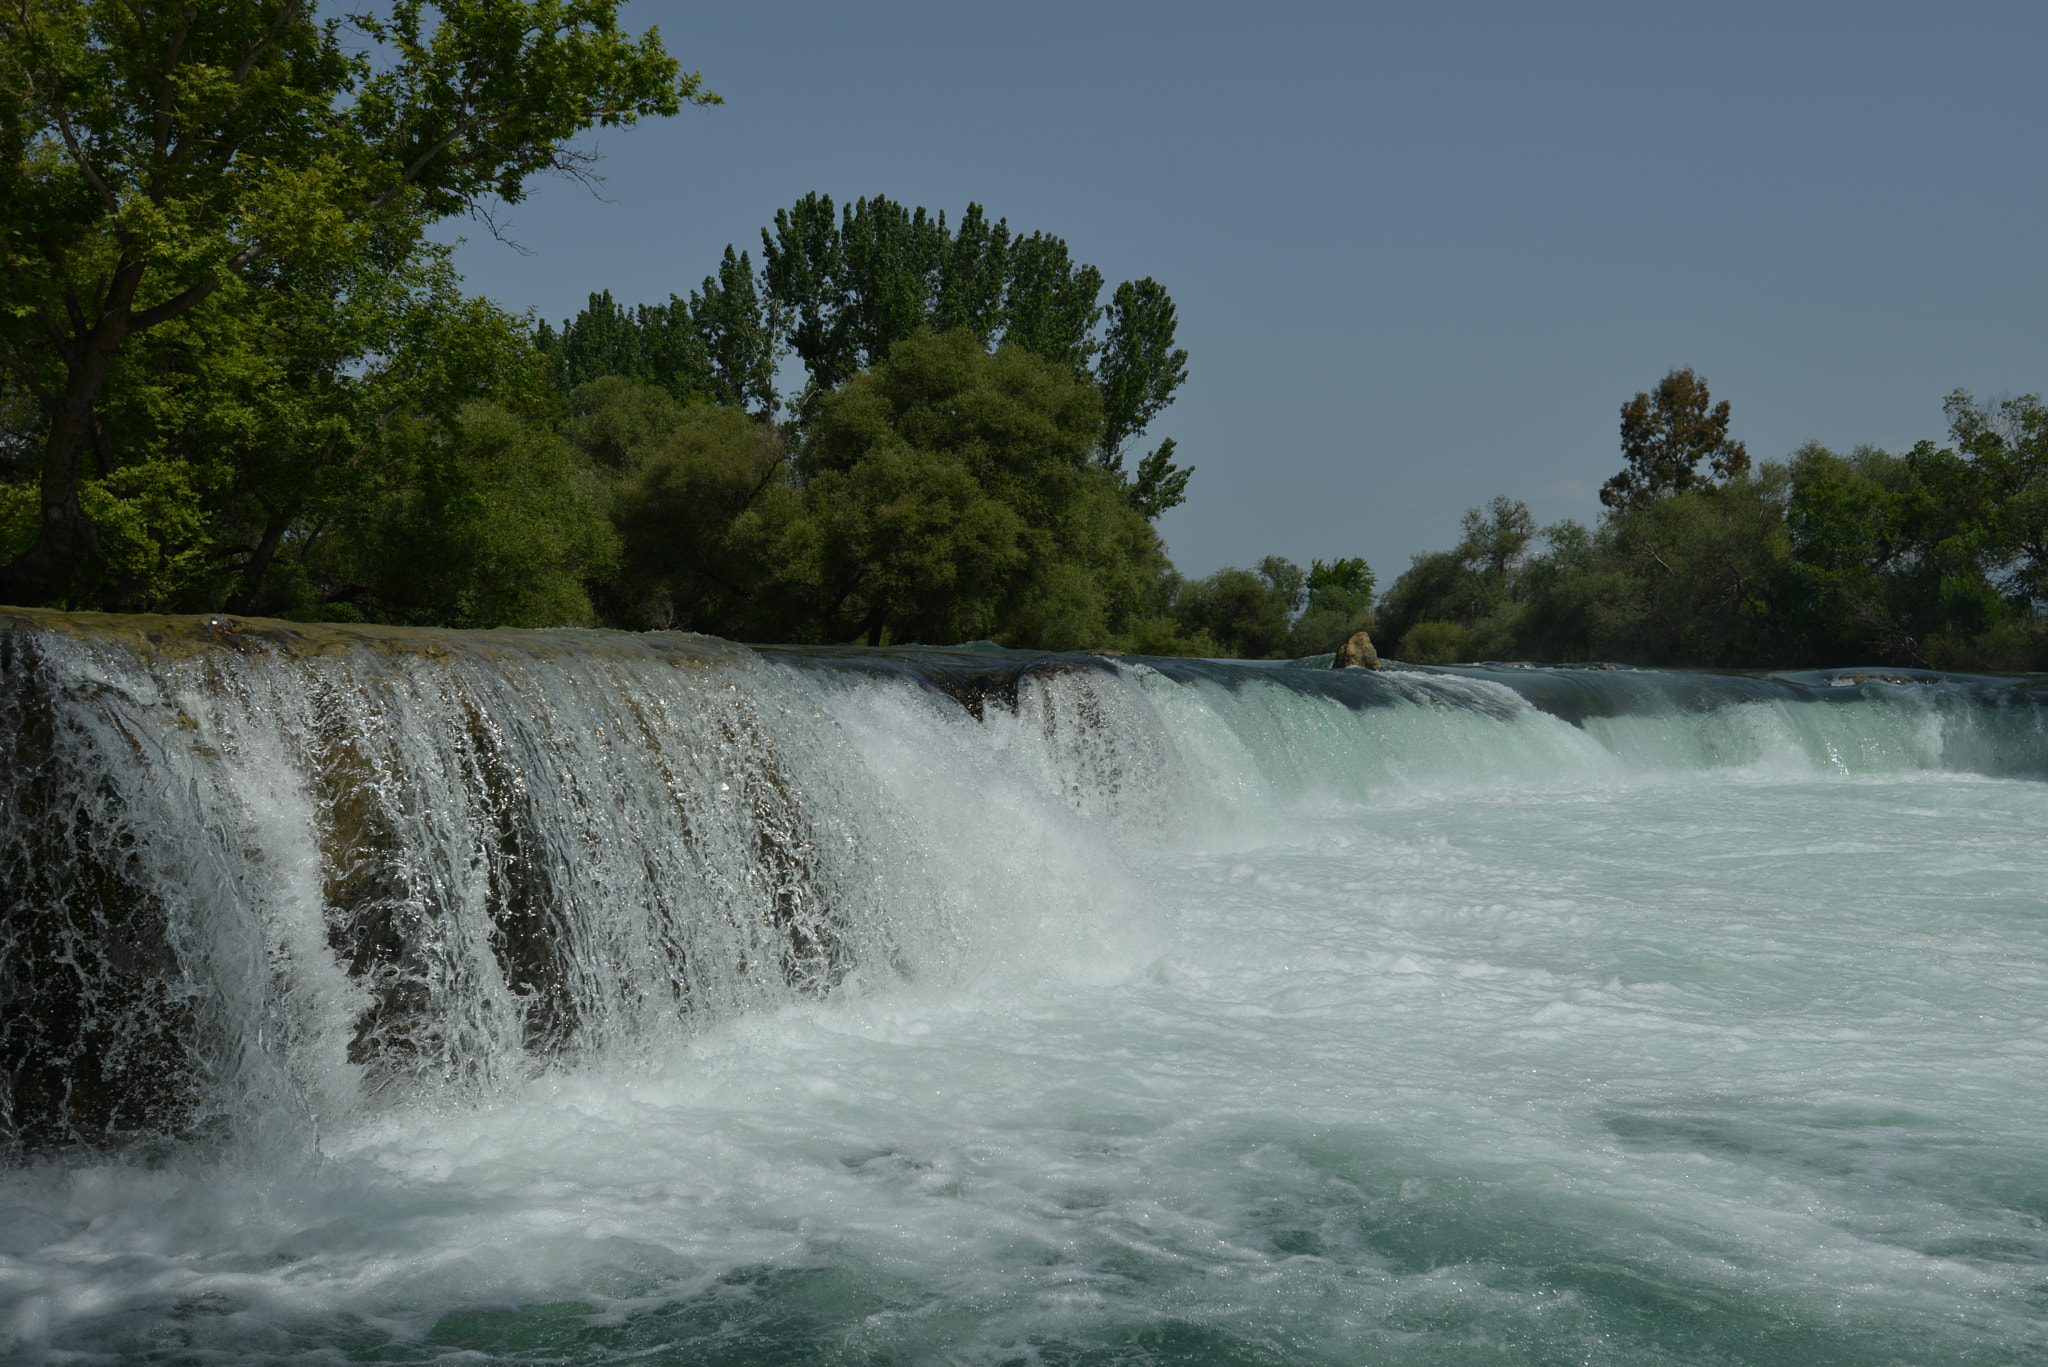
x=583, y=998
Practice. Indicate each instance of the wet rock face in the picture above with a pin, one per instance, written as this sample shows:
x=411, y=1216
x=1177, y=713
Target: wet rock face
x=498, y=850
x=975, y=689
x=101, y=1031
x=970, y=678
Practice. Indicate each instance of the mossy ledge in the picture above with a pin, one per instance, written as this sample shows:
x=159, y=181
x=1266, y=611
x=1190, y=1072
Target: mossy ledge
x=167, y=638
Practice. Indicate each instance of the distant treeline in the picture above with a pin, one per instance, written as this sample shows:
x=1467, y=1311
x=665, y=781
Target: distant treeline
x=1935, y=557
x=961, y=461
x=237, y=373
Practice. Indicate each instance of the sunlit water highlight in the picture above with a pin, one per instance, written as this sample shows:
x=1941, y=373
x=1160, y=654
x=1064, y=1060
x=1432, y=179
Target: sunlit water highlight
x=1224, y=1022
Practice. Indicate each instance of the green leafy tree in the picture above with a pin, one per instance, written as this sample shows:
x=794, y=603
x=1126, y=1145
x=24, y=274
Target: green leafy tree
x=1140, y=371
x=604, y=338
x=973, y=275
x=1338, y=604
x=485, y=520
x=2003, y=448
x=1245, y=612
x=617, y=422
x=1666, y=435
x=153, y=156
x=1701, y=578
x=1049, y=308
x=720, y=345
x=738, y=335
x=890, y=257
x=856, y=284
x=803, y=271
x=385, y=345
x=951, y=494
x=1473, y=585
x=704, y=520
x=21, y=430
x=1858, y=525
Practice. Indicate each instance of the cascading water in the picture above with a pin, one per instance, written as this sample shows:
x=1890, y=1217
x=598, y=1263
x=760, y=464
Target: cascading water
x=375, y=995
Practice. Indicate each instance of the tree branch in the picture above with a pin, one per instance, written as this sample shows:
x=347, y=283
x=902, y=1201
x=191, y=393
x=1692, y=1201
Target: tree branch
x=78, y=155
x=286, y=13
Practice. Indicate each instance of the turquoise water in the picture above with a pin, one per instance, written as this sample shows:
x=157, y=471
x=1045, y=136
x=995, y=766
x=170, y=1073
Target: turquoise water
x=1217, y=1015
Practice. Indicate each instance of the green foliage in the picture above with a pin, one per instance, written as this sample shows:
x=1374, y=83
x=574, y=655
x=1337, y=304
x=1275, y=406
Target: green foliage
x=1930, y=558
x=156, y=550
x=605, y=340
x=1159, y=484
x=1436, y=643
x=1276, y=611
x=841, y=287
x=1141, y=369
x=1856, y=525
x=1162, y=635
x=1934, y=557
x=1339, y=604
x=180, y=164
x=949, y=494
x=720, y=345
x=617, y=422
x=1245, y=613
x=486, y=520
x=1696, y=579
x=1049, y=308
x=1475, y=583
x=704, y=519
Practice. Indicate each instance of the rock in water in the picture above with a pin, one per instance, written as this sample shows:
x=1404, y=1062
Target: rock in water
x=1357, y=651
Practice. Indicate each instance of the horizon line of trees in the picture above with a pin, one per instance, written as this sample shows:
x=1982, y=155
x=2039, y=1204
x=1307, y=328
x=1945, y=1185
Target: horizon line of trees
x=1936, y=557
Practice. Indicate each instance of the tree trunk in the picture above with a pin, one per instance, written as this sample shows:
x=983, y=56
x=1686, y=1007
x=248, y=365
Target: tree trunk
x=67, y=541
x=247, y=600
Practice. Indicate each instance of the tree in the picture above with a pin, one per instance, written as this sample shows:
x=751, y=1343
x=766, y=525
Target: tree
x=950, y=494
x=153, y=156
x=345, y=357
x=973, y=274
x=1049, y=308
x=1666, y=436
x=1858, y=525
x=1244, y=612
x=855, y=285
x=738, y=336
x=1159, y=483
x=483, y=523
x=1140, y=370
x=1473, y=584
x=1495, y=539
x=604, y=338
x=2004, y=450
x=703, y=518
x=1339, y=604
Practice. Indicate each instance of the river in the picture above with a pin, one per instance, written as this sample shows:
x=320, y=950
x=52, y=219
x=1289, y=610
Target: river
x=586, y=998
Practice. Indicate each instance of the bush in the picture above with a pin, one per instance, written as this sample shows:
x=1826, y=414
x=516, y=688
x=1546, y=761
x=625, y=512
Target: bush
x=1436, y=643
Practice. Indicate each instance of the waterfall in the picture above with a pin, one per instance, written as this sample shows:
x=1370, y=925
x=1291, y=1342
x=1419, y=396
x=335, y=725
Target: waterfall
x=262, y=876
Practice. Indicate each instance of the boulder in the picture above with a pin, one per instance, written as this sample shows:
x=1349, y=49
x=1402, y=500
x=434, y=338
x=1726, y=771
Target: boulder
x=1357, y=651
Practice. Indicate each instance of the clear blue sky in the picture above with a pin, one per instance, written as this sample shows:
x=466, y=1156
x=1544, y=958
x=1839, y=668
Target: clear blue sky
x=1422, y=253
